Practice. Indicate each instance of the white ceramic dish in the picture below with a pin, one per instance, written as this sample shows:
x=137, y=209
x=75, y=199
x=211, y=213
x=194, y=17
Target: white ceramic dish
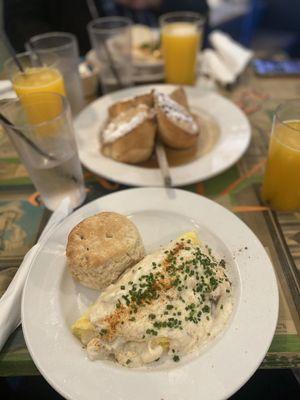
x=52, y=301
x=233, y=140
x=143, y=71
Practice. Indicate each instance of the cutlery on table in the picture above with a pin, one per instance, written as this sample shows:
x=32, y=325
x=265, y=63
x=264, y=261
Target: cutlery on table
x=163, y=163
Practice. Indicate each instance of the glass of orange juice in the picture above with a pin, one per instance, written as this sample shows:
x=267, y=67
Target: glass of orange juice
x=181, y=37
x=281, y=185
x=39, y=76
x=64, y=46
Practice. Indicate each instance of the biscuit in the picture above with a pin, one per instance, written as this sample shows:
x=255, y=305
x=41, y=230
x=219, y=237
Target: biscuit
x=100, y=248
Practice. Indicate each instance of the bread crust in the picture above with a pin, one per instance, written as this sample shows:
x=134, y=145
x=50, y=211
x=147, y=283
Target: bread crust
x=137, y=145
x=180, y=97
x=100, y=248
x=172, y=135
x=122, y=106
x=170, y=132
x=134, y=147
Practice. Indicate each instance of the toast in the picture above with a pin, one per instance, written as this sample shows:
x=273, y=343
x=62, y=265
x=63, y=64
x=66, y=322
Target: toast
x=130, y=136
x=180, y=97
x=177, y=127
x=122, y=106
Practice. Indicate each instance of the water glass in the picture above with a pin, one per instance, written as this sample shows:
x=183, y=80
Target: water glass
x=46, y=144
x=65, y=47
x=111, y=39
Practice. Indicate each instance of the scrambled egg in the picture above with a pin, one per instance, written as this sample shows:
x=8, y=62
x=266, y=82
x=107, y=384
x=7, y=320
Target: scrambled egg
x=83, y=328
x=171, y=302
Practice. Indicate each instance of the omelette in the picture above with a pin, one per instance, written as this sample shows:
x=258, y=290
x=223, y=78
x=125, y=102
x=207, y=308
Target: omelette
x=169, y=304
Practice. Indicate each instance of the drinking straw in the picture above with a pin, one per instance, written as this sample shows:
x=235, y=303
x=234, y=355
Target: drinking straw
x=12, y=51
x=36, y=57
x=94, y=13
x=19, y=133
x=93, y=9
x=112, y=65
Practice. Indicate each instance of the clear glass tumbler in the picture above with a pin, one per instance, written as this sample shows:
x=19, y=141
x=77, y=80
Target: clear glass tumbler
x=43, y=136
x=181, y=37
x=111, y=39
x=65, y=47
x=281, y=185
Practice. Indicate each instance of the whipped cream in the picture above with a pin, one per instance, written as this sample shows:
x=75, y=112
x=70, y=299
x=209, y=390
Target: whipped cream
x=122, y=125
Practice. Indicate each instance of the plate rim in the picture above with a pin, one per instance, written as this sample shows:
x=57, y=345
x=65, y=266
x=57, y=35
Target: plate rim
x=149, y=176
x=275, y=299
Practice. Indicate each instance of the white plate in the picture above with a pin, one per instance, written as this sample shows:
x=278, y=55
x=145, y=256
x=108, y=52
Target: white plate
x=52, y=301
x=143, y=72
x=234, y=138
x=147, y=74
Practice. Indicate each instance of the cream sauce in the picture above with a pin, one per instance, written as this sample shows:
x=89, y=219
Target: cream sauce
x=172, y=302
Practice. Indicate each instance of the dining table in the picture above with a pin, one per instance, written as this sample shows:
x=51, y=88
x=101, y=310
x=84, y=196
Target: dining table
x=23, y=216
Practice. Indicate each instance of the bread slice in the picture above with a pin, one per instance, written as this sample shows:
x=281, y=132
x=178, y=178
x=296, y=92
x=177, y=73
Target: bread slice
x=100, y=248
x=130, y=137
x=122, y=106
x=177, y=127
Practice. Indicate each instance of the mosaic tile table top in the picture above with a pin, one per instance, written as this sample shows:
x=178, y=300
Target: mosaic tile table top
x=22, y=218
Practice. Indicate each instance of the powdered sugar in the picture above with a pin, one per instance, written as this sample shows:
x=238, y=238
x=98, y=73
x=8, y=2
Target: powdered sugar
x=176, y=113
x=121, y=125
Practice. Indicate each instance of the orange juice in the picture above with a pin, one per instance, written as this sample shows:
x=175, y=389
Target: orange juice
x=281, y=186
x=35, y=80
x=38, y=79
x=180, y=46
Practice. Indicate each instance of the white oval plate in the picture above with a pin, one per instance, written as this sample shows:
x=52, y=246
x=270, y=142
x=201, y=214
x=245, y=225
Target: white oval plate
x=235, y=134
x=52, y=301
x=143, y=71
